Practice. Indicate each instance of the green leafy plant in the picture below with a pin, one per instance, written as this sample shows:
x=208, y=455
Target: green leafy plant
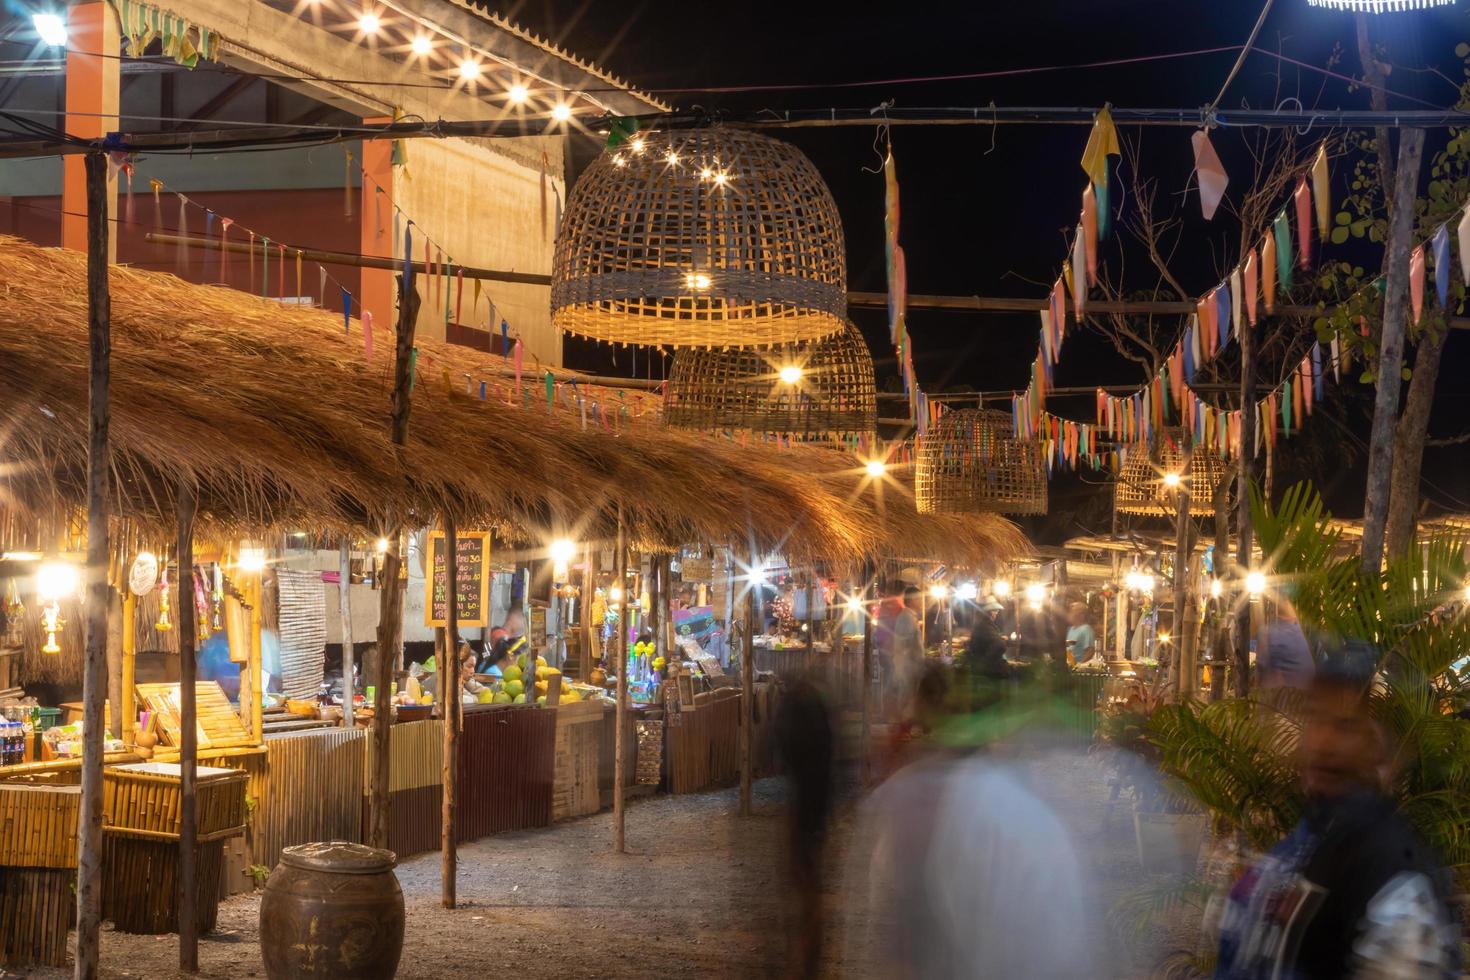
x=1236, y=756
x=259, y=873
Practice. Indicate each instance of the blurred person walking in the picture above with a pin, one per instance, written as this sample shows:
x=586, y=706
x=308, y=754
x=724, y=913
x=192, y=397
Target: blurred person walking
x=805, y=742
x=1351, y=892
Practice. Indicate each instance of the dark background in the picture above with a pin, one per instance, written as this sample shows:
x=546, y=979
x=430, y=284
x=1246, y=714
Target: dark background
x=985, y=209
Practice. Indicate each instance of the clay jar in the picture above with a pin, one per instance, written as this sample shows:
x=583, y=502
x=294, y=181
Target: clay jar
x=332, y=910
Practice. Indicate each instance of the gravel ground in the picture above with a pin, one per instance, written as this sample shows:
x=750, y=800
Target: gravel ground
x=699, y=894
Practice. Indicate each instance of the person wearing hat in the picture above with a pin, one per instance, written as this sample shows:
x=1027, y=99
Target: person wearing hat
x=985, y=652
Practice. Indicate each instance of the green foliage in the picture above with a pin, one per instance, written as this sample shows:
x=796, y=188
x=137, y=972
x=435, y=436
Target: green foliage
x=259, y=873
x=1235, y=756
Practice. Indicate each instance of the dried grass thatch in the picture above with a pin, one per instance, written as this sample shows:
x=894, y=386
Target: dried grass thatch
x=276, y=416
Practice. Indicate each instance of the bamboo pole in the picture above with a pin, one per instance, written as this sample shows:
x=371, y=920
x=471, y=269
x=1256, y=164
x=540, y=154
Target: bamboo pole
x=1183, y=545
x=619, y=653
x=747, y=690
x=114, y=658
x=129, y=667
x=94, y=676
x=257, y=650
x=344, y=609
x=188, y=737
x=390, y=595
x=449, y=697
x=811, y=633
x=584, y=610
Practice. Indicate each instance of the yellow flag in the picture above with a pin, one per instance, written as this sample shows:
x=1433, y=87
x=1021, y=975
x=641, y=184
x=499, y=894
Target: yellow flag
x=1321, y=192
x=1102, y=143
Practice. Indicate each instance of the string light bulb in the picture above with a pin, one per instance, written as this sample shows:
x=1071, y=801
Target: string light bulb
x=563, y=550
x=721, y=178
x=421, y=45
x=938, y=590
x=968, y=591
x=875, y=468
x=636, y=144
x=854, y=603
x=1216, y=587
x=518, y=93
x=1035, y=592
x=706, y=174
x=469, y=69
x=1001, y=588
x=369, y=23
x=790, y=374
x=1255, y=582
x=1171, y=480
x=50, y=28
x=696, y=280
x=673, y=159
x=561, y=112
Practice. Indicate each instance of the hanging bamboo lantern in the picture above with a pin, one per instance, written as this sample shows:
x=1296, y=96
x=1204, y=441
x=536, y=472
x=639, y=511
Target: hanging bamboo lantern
x=700, y=238
x=822, y=389
x=1148, y=481
x=969, y=460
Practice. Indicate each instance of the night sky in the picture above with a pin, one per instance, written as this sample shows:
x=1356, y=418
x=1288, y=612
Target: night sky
x=985, y=209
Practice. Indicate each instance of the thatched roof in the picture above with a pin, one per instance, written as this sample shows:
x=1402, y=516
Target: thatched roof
x=276, y=415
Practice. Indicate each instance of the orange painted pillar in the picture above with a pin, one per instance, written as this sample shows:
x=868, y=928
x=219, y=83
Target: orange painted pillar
x=93, y=52
x=378, y=292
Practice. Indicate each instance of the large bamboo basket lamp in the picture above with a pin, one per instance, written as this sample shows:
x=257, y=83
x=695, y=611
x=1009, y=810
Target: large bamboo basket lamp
x=970, y=460
x=1148, y=481
x=821, y=389
x=708, y=238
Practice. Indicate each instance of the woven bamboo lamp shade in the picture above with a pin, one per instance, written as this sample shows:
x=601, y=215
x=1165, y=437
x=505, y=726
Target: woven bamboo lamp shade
x=701, y=238
x=970, y=460
x=827, y=389
x=1142, y=487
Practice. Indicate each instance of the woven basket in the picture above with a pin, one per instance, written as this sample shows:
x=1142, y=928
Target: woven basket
x=702, y=238
x=970, y=461
x=742, y=389
x=1140, y=487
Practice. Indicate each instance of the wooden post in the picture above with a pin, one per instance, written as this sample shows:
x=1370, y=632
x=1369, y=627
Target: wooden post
x=1123, y=630
x=619, y=655
x=747, y=691
x=114, y=657
x=867, y=722
x=188, y=736
x=344, y=608
x=449, y=698
x=390, y=594
x=584, y=609
x=99, y=489
x=129, y=666
x=1182, y=551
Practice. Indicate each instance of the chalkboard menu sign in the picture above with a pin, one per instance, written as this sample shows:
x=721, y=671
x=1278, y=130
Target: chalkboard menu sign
x=472, y=582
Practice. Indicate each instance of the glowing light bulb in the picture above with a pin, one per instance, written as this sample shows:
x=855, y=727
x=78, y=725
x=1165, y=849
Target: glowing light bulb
x=967, y=591
x=1255, y=582
x=615, y=594
x=1163, y=637
x=421, y=45
x=1171, y=480
x=1001, y=588
x=696, y=280
x=251, y=560
x=369, y=23
x=56, y=579
x=51, y=29
x=673, y=159
x=563, y=551
x=382, y=546
x=561, y=112
x=1035, y=592
x=721, y=179
x=636, y=144
x=875, y=468
x=469, y=69
x=518, y=93
x=854, y=603
x=938, y=591
x=790, y=374
x=758, y=576
x=618, y=161
x=1216, y=587
x=706, y=173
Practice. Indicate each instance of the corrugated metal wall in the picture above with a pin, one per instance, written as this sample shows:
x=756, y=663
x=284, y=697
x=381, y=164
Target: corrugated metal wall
x=505, y=769
x=415, y=749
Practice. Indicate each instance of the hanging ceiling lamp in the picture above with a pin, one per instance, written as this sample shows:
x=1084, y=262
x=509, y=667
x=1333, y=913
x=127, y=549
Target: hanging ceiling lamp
x=701, y=238
x=818, y=390
x=1147, y=482
x=969, y=461
x=1379, y=6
